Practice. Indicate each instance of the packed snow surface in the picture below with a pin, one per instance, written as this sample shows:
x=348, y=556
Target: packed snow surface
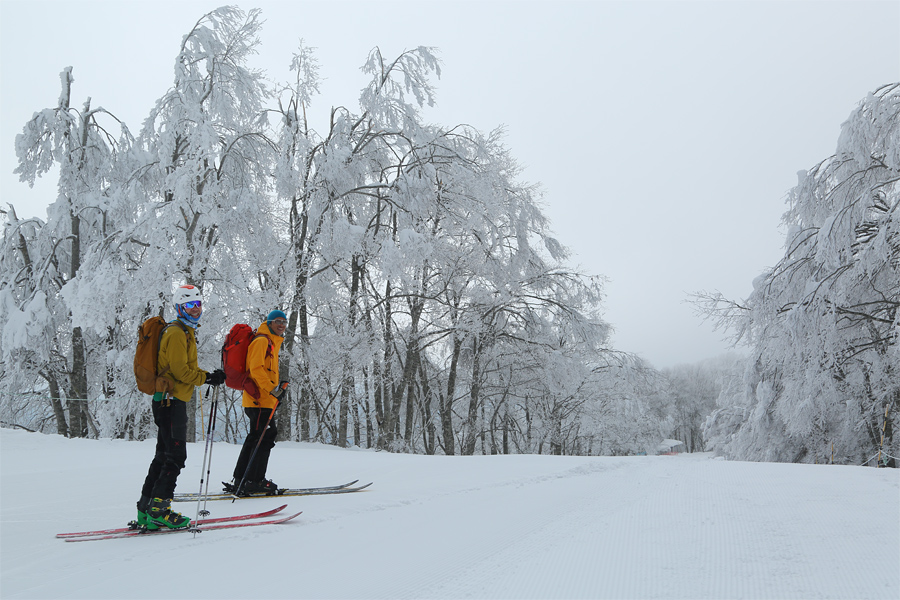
x=685, y=526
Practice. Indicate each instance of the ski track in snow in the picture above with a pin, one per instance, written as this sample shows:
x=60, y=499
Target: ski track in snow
x=696, y=527
x=700, y=527
x=461, y=527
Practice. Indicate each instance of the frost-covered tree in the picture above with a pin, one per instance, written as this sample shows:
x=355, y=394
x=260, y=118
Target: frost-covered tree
x=207, y=160
x=824, y=380
x=33, y=358
x=430, y=306
x=193, y=190
x=85, y=151
x=207, y=217
x=136, y=217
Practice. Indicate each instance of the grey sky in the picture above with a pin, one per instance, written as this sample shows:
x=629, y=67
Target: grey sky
x=665, y=134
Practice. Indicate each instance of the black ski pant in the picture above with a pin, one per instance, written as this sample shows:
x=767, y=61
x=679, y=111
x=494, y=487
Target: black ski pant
x=258, y=418
x=171, y=449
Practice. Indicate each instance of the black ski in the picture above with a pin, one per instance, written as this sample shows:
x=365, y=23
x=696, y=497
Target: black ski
x=347, y=488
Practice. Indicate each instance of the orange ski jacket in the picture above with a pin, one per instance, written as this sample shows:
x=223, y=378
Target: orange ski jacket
x=263, y=368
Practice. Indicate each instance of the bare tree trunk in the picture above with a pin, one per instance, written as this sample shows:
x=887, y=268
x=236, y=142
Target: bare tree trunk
x=284, y=415
x=410, y=367
x=428, y=429
x=556, y=431
x=887, y=437
x=412, y=361
x=505, y=426
x=446, y=407
x=299, y=318
x=78, y=379
x=62, y=427
x=109, y=384
x=347, y=383
x=370, y=428
x=77, y=402
x=354, y=415
x=528, y=420
x=375, y=383
x=483, y=434
x=474, y=399
x=493, y=430
x=306, y=396
x=343, y=406
x=390, y=399
x=382, y=409
x=285, y=412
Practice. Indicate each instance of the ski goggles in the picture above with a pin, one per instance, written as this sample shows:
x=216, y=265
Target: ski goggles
x=193, y=304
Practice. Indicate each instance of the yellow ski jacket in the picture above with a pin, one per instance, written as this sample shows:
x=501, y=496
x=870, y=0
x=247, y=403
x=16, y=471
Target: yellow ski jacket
x=178, y=353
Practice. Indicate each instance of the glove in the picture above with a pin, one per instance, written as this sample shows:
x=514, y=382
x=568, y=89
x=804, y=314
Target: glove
x=215, y=378
x=279, y=389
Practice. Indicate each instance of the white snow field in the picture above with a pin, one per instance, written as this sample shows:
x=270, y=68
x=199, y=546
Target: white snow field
x=686, y=526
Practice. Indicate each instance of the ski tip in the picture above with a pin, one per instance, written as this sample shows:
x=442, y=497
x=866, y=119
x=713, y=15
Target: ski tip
x=360, y=488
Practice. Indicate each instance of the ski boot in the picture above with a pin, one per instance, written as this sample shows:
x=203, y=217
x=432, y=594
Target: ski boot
x=249, y=488
x=160, y=514
x=143, y=519
x=263, y=486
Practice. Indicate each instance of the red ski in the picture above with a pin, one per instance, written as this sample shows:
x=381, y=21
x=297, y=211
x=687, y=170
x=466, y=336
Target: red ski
x=259, y=515
x=200, y=529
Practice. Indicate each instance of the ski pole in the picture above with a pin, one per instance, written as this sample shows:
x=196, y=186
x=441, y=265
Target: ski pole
x=205, y=454
x=237, y=490
x=215, y=418
x=201, y=408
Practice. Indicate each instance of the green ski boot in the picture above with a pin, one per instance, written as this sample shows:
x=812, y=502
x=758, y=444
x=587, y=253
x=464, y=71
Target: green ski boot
x=160, y=514
x=143, y=517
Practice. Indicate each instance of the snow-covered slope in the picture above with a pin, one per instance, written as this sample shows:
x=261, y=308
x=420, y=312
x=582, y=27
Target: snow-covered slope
x=455, y=527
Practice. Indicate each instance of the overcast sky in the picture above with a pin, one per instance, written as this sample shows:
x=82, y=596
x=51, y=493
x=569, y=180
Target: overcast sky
x=665, y=135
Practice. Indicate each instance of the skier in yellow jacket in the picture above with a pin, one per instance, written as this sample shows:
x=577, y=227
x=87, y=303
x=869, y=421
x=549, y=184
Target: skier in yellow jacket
x=177, y=361
x=262, y=365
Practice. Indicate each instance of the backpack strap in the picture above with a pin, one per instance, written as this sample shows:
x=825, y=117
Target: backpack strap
x=269, y=347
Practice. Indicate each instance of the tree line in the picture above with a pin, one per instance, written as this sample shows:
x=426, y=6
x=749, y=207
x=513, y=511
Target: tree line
x=430, y=307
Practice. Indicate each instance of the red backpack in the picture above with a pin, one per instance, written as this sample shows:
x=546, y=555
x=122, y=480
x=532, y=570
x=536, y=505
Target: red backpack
x=234, y=358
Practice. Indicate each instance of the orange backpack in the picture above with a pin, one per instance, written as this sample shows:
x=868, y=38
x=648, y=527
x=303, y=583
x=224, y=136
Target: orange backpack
x=146, y=357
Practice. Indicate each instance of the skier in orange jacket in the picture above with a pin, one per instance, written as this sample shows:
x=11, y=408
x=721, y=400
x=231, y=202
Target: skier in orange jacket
x=262, y=365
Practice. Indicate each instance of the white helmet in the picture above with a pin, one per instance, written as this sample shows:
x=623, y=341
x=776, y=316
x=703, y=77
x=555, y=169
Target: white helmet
x=186, y=293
